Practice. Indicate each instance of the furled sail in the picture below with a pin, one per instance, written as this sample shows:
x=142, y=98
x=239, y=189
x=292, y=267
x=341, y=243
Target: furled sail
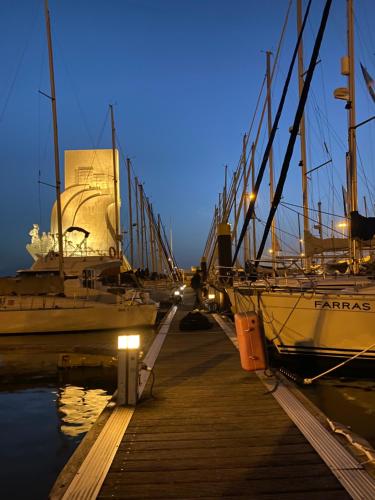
x=362, y=228
x=314, y=245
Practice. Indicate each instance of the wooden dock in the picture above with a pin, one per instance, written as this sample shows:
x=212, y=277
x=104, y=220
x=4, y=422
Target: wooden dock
x=210, y=430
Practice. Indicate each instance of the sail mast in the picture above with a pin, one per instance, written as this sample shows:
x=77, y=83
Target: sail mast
x=142, y=214
x=246, y=254
x=270, y=158
x=302, y=130
x=130, y=213
x=352, y=154
x=55, y=141
x=137, y=222
x=117, y=247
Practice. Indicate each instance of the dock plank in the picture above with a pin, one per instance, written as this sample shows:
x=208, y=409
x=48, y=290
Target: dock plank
x=212, y=431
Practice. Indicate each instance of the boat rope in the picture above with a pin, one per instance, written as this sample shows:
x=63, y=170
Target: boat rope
x=240, y=174
x=308, y=381
x=332, y=230
x=278, y=334
x=271, y=138
x=295, y=129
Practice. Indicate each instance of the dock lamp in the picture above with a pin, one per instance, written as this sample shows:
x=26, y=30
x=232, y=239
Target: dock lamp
x=177, y=297
x=211, y=303
x=127, y=369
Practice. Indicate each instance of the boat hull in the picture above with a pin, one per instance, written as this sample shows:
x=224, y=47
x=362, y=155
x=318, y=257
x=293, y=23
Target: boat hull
x=309, y=323
x=76, y=319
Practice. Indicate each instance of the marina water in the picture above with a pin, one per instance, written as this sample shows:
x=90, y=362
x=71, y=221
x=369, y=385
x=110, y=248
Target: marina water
x=45, y=411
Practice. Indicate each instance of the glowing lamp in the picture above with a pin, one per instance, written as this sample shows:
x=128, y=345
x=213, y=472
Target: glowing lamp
x=125, y=342
x=176, y=292
x=211, y=296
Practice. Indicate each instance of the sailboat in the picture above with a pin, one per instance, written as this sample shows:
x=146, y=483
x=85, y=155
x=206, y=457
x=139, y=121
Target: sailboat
x=73, y=284
x=330, y=317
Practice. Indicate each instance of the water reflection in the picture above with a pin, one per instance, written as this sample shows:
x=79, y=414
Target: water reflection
x=347, y=401
x=45, y=410
x=79, y=408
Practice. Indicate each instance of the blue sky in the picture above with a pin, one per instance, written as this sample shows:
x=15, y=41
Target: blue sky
x=183, y=76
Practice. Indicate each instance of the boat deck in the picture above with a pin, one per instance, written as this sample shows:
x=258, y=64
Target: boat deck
x=207, y=429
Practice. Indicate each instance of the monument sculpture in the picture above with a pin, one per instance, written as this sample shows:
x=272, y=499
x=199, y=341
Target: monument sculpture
x=88, y=208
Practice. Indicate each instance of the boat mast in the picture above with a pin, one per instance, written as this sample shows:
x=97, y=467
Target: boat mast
x=56, y=142
x=302, y=130
x=252, y=167
x=352, y=154
x=117, y=239
x=160, y=266
x=225, y=191
x=151, y=233
x=137, y=221
x=270, y=159
x=142, y=226
x=130, y=214
x=246, y=254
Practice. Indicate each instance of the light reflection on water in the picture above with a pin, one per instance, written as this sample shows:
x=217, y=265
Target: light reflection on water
x=37, y=440
x=79, y=408
x=347, y=401
x=45, y=412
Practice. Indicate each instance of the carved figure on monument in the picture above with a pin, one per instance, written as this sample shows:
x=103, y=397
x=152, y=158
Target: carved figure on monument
x=39, y=245
x=34, y=233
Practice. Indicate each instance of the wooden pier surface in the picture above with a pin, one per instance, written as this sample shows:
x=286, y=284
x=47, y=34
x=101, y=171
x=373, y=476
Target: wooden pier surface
x=212, y=431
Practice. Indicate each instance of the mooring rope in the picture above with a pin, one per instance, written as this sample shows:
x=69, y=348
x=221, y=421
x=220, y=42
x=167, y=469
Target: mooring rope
x=307, y=381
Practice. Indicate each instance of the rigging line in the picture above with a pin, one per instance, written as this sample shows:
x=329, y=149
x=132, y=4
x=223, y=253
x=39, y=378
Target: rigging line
x=368, y=184
x=297, y=120
x=279, y=229
x=152, y=221
x=239, y=165
x=324, y=116
x=39, y=200
x=292, y=224
x=253, y=149
x=166, y=242
x=361, y=38
x=262, y=168
x=209, y=237
x=18, y=66
x=284, y=203
x=123, y=156
x=329, y=228
x=74, y=89
x=101, y=132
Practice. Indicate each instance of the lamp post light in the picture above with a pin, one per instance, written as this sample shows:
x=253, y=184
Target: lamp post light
x=127, y=369
x=177, y=296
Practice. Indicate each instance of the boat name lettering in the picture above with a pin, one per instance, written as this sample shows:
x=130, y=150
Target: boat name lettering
x=348, y=306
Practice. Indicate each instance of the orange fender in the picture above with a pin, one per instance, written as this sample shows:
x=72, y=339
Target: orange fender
x=250, y=341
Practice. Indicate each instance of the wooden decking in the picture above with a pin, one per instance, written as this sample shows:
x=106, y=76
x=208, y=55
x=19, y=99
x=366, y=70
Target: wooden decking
x=212, y=431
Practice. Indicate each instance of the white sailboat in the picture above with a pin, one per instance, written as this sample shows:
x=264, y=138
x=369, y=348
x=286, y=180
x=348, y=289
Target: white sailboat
x=68, y=287
x=330, y=317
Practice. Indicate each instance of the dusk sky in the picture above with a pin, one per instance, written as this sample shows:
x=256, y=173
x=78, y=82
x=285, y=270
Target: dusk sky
x=184, y=77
